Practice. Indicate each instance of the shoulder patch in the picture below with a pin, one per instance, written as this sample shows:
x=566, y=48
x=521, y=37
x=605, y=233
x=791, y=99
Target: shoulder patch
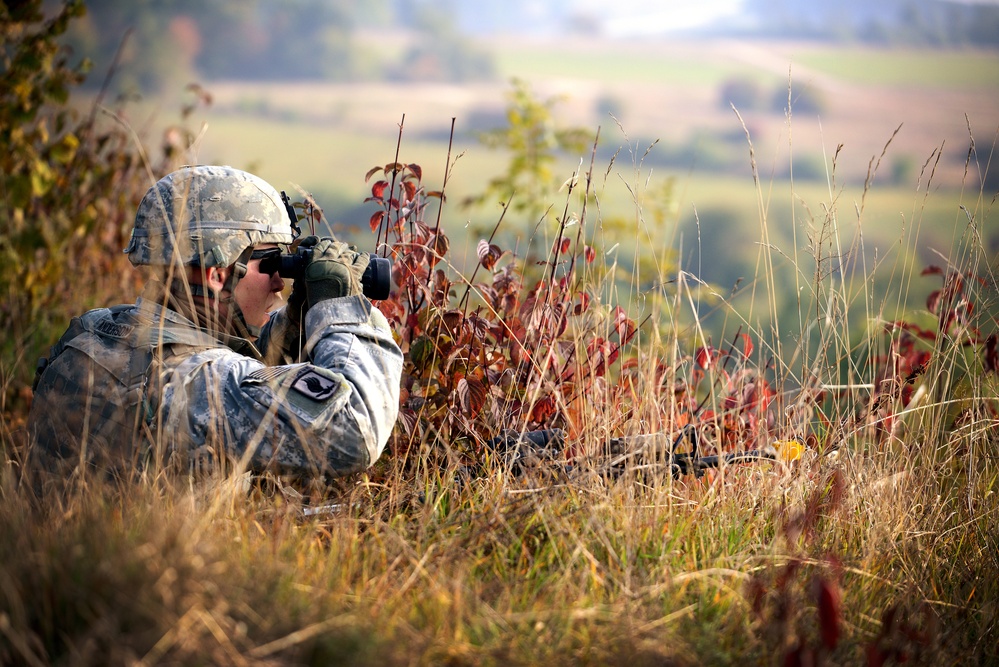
x=310, y=391
x=312, y=385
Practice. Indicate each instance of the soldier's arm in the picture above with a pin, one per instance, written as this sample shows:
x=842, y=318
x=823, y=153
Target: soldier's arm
x=333, y=414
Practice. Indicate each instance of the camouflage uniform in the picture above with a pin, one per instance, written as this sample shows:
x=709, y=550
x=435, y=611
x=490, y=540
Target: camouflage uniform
x=141, y=384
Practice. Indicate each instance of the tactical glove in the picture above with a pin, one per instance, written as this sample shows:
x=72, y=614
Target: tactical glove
x=335, y=271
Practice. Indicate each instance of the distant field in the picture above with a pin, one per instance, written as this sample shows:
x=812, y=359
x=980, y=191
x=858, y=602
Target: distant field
x=669, y=92
x=927, y=69
x=712, y=62
x=624, y=64
x=325, y=137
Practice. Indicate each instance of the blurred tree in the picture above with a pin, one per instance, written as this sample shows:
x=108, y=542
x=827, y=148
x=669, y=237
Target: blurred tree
x=804, y=99
x=161, y=40
x=983, y=27
x=174, y=42
x=926, y=22
x=608, y=105
x=903, y=170
x=439, y=51
x=296, y=39
x=744, y=93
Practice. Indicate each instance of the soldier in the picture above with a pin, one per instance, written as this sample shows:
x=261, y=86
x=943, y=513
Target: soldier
x=187, y=376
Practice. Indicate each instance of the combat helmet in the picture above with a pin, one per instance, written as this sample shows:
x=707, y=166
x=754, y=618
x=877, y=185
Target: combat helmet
x=206, y=216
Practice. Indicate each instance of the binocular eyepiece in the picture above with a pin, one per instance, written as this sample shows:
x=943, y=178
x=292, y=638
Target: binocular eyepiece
x=376, y=283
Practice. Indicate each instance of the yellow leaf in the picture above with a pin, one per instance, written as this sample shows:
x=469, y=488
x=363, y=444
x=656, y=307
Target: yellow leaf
x=789, y=450
x=41, y=179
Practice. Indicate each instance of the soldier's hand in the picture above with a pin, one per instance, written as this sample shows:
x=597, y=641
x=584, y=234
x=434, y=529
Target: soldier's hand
x=335, y=271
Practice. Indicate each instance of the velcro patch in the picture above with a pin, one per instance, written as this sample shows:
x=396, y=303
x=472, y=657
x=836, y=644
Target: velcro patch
x=113, y=329
x=309, y=391
x=311, y=384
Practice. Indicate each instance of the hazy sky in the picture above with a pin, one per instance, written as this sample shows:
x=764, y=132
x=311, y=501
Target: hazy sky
x=636, y=17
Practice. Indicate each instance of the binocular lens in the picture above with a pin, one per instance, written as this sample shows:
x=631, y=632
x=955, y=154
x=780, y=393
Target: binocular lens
x=376, y=281
x=270, y=260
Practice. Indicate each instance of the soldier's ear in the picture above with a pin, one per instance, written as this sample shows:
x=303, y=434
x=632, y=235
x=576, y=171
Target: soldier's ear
x=217, y=277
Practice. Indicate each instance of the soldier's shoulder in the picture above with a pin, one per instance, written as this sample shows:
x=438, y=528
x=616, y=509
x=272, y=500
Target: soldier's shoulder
x=103, y=321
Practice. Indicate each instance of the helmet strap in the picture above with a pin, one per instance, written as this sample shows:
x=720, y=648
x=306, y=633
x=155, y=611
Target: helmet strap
x=237, y=322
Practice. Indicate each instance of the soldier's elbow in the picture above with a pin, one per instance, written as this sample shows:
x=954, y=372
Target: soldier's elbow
x=347, y=461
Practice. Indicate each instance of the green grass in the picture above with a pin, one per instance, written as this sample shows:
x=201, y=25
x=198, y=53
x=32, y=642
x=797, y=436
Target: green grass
x=702, y=64
x=947, y=70
x=616, y=66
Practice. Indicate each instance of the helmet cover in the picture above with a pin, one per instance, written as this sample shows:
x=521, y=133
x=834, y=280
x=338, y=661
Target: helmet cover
x=207, y=216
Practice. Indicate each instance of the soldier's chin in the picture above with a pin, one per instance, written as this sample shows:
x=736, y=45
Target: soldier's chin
x=272, y=306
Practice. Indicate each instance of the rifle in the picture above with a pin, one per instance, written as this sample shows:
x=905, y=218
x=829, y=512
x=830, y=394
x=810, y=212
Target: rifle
x=647, y=450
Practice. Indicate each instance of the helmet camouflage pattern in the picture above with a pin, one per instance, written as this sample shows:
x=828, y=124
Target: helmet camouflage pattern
x=208, y=216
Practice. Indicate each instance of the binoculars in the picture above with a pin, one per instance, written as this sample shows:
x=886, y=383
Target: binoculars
x=376, y=283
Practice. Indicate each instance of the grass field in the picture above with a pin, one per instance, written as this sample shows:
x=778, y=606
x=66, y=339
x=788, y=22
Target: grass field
x=921, y=69
x=638, y=64
x=667, y=92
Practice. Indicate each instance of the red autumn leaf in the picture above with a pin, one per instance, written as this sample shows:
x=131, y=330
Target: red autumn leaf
x=932, y=271
x=453, y=320
x=747, y=345
x=623, y=324
x=933, y=301
x=829, y=604
x=561, y=246
x=705, y=356
x=518, y=353
x=438, y=194
x=598, y=351
x=543, y=409
x=584, y=303
x=488, y=254
x=371, y=172
x=589, y=254
x=416, y=170
x=438, y=245
x=410, y=188
x=482, y=251
x=613, y=354
x=378, y=189
x=376, y=220
x=394, y=167
x=471, y=396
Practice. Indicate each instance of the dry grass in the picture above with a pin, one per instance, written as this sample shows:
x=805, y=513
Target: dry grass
x=419, y=570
